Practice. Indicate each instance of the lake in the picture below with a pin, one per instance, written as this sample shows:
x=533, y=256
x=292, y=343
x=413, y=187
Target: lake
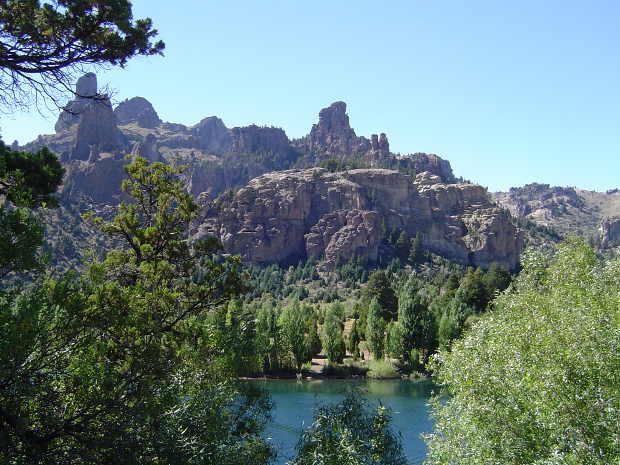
x=294, y=402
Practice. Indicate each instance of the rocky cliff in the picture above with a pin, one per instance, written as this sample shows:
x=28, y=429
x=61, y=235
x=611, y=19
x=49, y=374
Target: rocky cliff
x=282, y=217
x=218, y=158
x=282, y=214
x=567, y=210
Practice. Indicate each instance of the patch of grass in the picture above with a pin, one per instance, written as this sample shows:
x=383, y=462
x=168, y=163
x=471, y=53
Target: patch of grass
x=381, y=369
x=344, y=371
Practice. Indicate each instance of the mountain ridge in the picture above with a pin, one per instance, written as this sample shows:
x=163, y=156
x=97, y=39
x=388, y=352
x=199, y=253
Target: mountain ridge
x=92, y=139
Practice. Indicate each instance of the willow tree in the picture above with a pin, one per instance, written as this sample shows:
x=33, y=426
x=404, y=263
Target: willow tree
x=537, y=380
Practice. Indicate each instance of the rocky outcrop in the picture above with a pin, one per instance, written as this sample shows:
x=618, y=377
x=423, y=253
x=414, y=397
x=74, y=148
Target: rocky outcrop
x=539, y=200
x=343, y=234
x=255, y=139
x=98, y=181
x=85, y=94
x=212, y=135
x=148, y=149
x=87, y=125
x=332, y=136
x=286, y=216
x=137, y=110
x=429, y=162
x=610, y=232
x=97, y=128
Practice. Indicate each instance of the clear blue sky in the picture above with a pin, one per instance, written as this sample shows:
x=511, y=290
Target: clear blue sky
x=508, y=92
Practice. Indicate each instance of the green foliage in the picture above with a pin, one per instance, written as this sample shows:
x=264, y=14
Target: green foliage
x=417, y=322
x=332, y=339
x=127, y=364
x=350, y=433
x=394, y=340
x=268, y=343
x=43, y=45
x=375, y=330
x=294, y=322
x=312, y=337
x=402, y=246
x=379, y=288
x=381, y=369
x=27, y=181
x=416, y=251
x=536, y=381
x=353, y=341
x=472, y=291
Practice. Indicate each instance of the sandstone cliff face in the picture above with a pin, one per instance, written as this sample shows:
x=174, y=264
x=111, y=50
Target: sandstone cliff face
x=285, y=216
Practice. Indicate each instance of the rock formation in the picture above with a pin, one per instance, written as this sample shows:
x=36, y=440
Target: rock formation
x=332, y=136
x=566, y=210
x=97, y=127
x=85, y=93
x=147, y=148
x=285, y=216
x=610, y=232
x=86, y=124
x=137, y=110
x=212, y=135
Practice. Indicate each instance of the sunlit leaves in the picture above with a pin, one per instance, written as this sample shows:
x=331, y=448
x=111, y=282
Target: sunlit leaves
x=537, y=381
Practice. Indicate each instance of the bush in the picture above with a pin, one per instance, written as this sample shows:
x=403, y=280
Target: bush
x=381, y=369
x=344, y=371
x=350, y=433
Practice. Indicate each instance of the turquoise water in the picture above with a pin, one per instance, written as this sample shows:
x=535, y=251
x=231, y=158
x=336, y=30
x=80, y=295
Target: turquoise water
x=295, y=400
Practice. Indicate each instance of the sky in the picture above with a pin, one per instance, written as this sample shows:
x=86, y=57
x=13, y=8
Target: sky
x=509, y=92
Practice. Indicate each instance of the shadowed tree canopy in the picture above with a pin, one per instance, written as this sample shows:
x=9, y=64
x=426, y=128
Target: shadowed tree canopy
x=45, y=45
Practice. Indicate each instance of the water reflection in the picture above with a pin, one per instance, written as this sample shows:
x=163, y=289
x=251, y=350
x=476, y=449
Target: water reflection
x=294, y=402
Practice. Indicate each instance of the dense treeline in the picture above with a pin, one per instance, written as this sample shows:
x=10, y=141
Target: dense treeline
x=401, y=313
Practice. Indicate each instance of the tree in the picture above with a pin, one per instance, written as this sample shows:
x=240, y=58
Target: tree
x=353, y=341
x=472, y=290
x=293, y=323
x=402, y=247
x=44, y=46
x=536, y=380
x=268, y=343
x=313, y=341
x=416, y=251
x=126, y=363
x=496, y=279
x=394, y=340
x=332, y=340
x=350, y=433
x=417, y=322
x=375, y=330
x=28, y=181
x=379, y=287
